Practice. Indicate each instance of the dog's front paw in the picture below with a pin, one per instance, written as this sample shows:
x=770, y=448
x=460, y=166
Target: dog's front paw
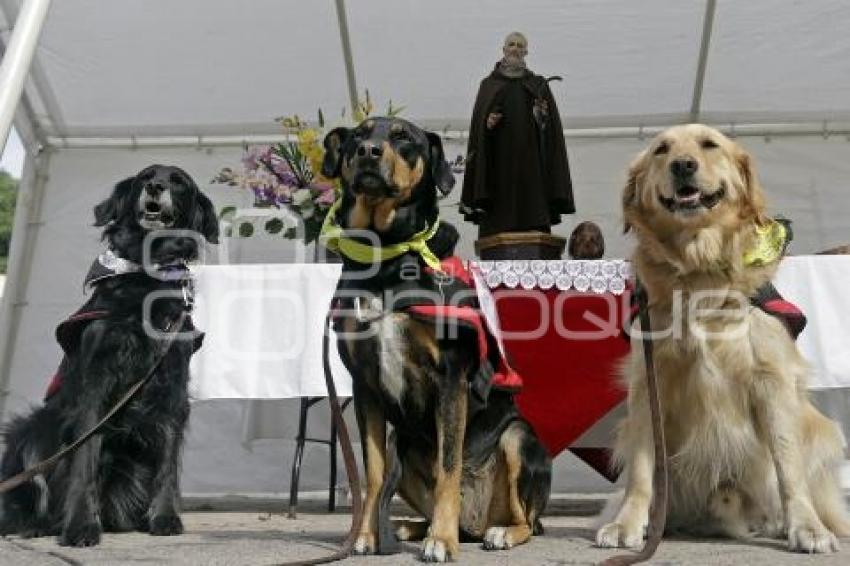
x=166, y=525
x=81, y=534
x=613, y=535
x=497, y=538
x=365, y=544
x=438, y=550
x=811, y=537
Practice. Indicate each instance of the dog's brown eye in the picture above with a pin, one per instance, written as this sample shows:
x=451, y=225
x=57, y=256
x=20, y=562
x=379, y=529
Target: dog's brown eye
x=708, y=144
x=662, y=149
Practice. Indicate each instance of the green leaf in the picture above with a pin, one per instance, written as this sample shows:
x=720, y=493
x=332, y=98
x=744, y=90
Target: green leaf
x=226, y=212
x=246, y=230
x=321, y=119
x=274, y=225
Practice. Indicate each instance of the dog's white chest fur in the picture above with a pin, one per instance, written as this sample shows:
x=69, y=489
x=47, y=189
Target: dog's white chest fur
x=391, y=346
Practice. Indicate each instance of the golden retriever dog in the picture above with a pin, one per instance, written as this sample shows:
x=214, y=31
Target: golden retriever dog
x=748, y=453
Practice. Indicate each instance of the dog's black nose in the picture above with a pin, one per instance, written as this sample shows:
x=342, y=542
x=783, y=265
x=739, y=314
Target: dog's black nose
x=154, y=188
x=684, y=166
x=369, y=149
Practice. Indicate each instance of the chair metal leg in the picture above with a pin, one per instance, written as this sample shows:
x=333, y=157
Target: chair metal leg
x=296, y=461
x=300, y=441
x=332, y=486
x=333, y=448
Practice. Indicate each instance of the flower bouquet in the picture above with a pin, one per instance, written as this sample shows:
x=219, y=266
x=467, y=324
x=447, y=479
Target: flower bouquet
x=288, y=176
x=285, y=175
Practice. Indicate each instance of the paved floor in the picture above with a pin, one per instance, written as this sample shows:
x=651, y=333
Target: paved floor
x=233, y=535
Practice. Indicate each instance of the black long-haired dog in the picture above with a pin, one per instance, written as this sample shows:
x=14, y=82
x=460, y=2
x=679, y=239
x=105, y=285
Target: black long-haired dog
x=469, y=463
x=127, y=476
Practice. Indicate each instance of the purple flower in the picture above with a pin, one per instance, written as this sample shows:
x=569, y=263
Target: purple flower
x=326, y=194
x=289, y=178
x=279, y=165
x=283, y=194
x=254, y=154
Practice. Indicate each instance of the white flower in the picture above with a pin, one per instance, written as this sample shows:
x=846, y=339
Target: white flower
x=300, y=196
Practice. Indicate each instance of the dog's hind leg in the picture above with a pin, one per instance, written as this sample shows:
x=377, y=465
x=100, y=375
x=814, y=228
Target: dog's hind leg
x=29, y=509
x=442, y=543
x=776, y=406
x=524, y=482
x=829, y=504
x=373, y=432
x=411, y=530
x=824, y=446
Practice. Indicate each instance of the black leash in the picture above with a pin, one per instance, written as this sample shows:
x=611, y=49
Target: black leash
x=660, y=487
x=44, y=465
x=348, y=458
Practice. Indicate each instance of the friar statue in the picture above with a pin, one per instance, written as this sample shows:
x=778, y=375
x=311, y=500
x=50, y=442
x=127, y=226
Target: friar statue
x=517, y=177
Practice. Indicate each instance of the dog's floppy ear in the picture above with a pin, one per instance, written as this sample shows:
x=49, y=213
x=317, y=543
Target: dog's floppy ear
x=113, y=207
x=441, y=171
x=204, y=219
x=753, y=205
x=333, y=142
x=630, y=197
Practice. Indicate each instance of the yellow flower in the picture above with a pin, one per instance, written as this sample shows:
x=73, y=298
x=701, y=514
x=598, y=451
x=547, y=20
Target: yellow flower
x=308, y=135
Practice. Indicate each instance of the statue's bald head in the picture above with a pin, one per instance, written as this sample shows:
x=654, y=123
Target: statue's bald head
x=515, y=48
x=516, y=37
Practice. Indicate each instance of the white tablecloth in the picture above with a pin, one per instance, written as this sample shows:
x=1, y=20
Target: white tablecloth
x=263, y=326
x=819, y=286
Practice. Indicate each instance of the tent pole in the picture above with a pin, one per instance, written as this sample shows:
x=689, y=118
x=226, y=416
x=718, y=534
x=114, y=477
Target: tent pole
x=26, y=223
x=17, y=59
x=347, y=56
x=822, y=129
x=707, y=24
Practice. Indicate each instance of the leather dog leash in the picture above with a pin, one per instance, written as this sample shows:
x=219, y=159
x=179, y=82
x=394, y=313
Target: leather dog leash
x=348, y=459
x=658, y=510
x=336, y=411
x=44, y=465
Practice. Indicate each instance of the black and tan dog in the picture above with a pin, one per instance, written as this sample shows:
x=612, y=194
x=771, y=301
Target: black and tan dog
x=468, y=462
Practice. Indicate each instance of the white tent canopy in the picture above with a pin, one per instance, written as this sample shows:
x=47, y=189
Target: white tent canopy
x=201, y=67
x=118, y=84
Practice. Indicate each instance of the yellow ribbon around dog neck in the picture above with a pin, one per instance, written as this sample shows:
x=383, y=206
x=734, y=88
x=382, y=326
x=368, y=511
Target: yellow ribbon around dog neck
x=333, y=238
x=771, y=240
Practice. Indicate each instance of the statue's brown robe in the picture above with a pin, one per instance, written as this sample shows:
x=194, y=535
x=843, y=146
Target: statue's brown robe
x=517, y=177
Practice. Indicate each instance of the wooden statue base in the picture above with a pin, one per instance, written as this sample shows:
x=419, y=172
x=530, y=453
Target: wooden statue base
x=520, y=245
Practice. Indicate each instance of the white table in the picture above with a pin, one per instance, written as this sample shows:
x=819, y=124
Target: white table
x=263, y=325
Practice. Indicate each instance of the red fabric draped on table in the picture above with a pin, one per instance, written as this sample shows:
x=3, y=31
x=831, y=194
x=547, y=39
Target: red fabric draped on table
x=570, y=369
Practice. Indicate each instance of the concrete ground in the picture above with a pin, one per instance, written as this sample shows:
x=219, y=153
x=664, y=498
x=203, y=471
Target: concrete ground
x=251, y=532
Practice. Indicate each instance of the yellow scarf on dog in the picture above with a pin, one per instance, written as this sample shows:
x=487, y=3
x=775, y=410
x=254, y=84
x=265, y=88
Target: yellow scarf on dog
x=333, y=237
x=771, y=241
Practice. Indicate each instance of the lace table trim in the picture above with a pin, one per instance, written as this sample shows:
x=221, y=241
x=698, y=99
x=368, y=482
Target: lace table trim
x=597, y=276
